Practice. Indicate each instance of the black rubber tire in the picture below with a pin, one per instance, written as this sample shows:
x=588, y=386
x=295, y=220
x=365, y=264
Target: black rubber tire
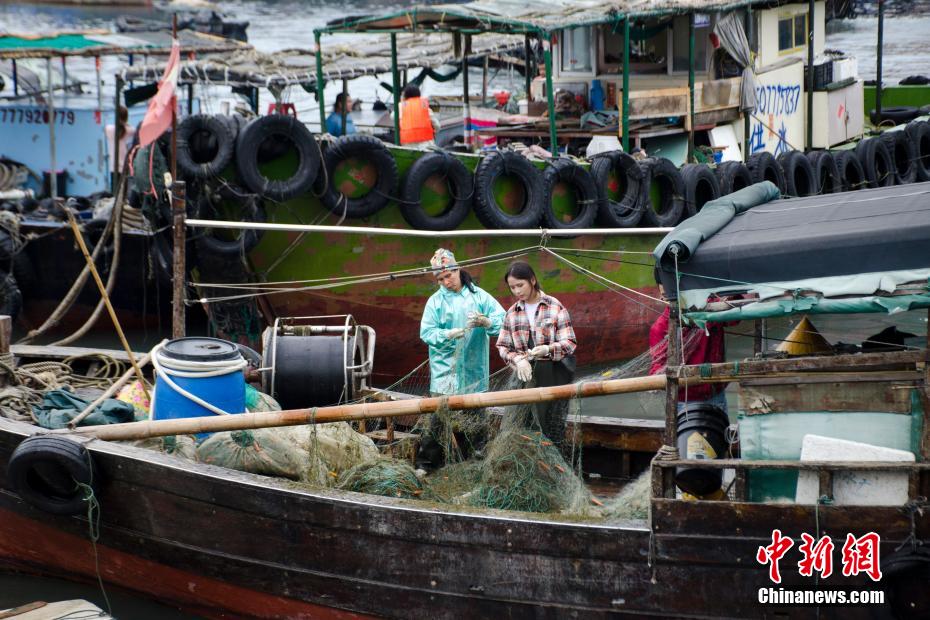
x=581, y=182
x=764, y=167
x=903, y=155
x=701, y=187
x=919, y=133
x=924, y=110
x=506, y=163
x=800, y=179
x=671, y=206
x=374, y=151
x=827, y=179
x=206, y=145
x=247, y=156
x=43, y=470
x=897, y=114
x=626, y=212
x=252, y=210
x=459, y=181
x=876, y=162
x=852, y=176
x=732, y=176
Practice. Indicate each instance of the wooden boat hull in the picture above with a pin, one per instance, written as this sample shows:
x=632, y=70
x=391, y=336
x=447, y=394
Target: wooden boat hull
x=227, y=544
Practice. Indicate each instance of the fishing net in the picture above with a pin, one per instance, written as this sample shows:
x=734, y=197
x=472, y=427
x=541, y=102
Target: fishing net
x=383, y=476
x=184, y=446
x=265, y=451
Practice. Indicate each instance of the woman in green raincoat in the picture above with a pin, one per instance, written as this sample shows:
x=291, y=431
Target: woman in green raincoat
x=457, y=322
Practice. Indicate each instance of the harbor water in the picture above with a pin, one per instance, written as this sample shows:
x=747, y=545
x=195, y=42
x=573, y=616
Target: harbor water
x=277, y=25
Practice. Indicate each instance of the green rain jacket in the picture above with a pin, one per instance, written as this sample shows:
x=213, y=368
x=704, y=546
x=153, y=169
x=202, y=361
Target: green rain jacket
x=459, y=366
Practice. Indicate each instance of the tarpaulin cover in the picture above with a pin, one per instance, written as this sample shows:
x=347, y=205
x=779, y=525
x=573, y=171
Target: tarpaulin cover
x=60, y=406
x=820, y=237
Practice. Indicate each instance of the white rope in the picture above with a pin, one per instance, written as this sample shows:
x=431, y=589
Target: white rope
x=166, y=368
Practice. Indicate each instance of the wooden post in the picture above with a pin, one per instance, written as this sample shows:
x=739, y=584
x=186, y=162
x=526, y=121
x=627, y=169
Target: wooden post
x=810, y=77
x=690, y=156
x=321, y=100
x=672, y=362
x=345, y=98
x=52, y=176
x=174, y=112
x=395, y=82
x=179, y=281
x=190, y=98
x=625, y=110
x=550, y=98
x=878, y=65
x=757, y=337
x=114, y=181
x=484, y=82
x=528, y=68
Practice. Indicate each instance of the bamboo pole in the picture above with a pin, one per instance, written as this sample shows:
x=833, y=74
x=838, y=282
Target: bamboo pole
x=110, y=391
x=106, y=298
x=179, y=256
x=366, y=411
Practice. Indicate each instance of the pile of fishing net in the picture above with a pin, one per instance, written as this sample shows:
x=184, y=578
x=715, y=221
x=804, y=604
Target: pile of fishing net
x=384, y=476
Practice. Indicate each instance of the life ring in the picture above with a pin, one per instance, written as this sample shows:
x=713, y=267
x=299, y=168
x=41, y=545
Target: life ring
x=620, y=187
x=827, y=178
x=206, y=145
x=580, y=183
x=250, y=208
x=443, y=174
x=903, y=156
x=664, y=193
x=377, y=182
x=919, y=133
x=44, y=470
x=526, y=200
x=277, y=129
x=897, y=114
x=701, y=187
x=852, y=176
x=732, y=177
x=876, y=162
x=799, y=174
x=764, y=167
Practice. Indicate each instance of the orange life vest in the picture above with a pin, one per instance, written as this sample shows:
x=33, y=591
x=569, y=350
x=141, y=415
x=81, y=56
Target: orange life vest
x=415, y=125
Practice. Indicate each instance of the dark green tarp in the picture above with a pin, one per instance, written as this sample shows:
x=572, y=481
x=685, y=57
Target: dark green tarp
x=60, y=407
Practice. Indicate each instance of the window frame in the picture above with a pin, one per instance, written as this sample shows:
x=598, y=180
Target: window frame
x=565, y=43
x=792, y=19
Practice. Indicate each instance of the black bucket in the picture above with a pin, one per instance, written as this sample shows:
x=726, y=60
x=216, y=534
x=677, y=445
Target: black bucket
x=702, y=434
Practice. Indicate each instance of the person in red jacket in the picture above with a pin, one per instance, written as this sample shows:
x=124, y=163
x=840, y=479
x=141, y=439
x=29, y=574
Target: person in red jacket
x=417, y=125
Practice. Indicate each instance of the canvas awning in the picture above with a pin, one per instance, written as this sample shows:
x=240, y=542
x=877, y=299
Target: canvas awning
x=864, y=251
x=104, y=43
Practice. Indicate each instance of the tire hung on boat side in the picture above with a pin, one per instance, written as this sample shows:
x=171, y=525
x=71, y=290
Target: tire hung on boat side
x=919, y=133
x=852, y=176
x=764, y=167
x=260, y=141
x=732, y=177
x=509, y=193
x=361, y=176
x=896, y=114
x=229, y=202
x=800, y=179
x=876, y=162
x=827, y=178
x=701, y=187
x=664, y=196
x=903, y=156
x=619, y=183
x=206, y=146
x=45, y=471
x=566, y=181
x=436, y=178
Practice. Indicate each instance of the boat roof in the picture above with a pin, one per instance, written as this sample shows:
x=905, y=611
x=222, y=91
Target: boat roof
x=863, y=251
x=518, y=16
x=369, y=55
x=91, y=43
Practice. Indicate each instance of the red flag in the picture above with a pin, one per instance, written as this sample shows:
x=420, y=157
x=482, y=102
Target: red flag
x=158, y=117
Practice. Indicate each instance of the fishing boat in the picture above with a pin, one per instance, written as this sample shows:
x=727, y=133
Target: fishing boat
x=223, y=543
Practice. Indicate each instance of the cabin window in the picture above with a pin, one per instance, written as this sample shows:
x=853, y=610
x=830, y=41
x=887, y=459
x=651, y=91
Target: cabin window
x=610, y=50
x=702, y=30
x=576, y=50
x=792, y=32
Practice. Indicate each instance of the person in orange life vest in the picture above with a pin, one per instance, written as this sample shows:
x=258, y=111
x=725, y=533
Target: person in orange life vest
x=417, y=125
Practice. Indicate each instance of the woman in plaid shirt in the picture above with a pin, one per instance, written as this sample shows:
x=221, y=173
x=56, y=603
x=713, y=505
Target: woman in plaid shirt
x=537, y=340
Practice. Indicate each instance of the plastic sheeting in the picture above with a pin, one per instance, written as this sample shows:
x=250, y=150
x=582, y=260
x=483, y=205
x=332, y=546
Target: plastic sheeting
x=733, y=39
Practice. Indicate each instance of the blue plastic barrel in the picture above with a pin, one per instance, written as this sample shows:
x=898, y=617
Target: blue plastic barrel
x=199, y=357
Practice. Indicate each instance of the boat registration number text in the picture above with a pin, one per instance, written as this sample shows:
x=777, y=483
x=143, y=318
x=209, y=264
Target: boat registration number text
x=38, y=116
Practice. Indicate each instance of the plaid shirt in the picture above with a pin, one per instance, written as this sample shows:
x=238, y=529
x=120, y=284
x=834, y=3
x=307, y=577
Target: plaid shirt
x=553, y=326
